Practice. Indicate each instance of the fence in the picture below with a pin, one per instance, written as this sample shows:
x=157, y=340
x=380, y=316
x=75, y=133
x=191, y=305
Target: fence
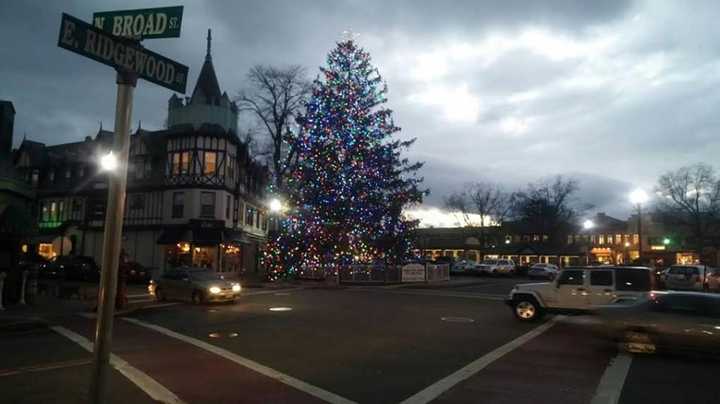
x=380, y=273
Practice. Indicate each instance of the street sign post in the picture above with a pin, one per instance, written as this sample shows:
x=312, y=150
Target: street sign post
x=146, y=23
x=131, y=61
x=121, y=53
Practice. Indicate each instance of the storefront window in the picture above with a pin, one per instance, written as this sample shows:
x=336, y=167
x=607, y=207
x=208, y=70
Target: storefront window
x=204, y=257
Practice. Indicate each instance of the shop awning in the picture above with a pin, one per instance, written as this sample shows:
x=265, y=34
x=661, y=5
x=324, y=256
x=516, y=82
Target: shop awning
x=174, y=235
x=207, y=236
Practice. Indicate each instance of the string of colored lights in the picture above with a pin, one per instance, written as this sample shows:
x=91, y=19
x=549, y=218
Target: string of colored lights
x=350, y=185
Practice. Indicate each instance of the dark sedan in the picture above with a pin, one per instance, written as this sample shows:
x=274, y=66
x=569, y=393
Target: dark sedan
x=666, y=321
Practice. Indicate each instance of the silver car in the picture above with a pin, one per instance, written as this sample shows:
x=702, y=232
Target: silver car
x=687, y=277
x=197, y=285
x=667, y=320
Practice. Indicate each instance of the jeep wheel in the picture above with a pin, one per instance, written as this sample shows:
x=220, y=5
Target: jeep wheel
x=527, y=309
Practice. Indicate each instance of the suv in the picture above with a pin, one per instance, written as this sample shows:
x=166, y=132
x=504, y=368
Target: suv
x=687, y=277
x=496, y=267
x=580, y=289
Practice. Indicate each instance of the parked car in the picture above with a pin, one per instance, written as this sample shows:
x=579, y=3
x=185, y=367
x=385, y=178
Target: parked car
x=666, y=321
x=543, y=271
x=687, y=277
x=197, y=285
x=71, y=268
x=713, y=280
x=497, y=267
x=137, y=273
x=580, y=289
x=464, y=266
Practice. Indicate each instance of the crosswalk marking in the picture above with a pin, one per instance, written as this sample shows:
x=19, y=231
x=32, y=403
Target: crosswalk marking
x=613, y=379
x=250, y=364
x=435, y=390
x=149, y=385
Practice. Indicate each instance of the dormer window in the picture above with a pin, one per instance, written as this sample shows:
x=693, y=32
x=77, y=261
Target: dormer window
x=210, y=163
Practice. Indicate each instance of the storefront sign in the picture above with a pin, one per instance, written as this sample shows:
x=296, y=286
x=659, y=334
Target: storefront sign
x=413, y=273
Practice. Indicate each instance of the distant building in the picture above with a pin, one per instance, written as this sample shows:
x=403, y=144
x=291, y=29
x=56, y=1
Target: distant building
x=194, y=195
x=607, y=240
x=17, y=225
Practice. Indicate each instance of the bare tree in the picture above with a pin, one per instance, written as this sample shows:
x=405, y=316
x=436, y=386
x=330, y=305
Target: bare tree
x=690, y=197
x=275, y=96
x=548, y=206
x=484, y=199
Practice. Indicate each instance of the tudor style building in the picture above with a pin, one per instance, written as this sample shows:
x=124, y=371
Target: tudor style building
x=194, y=195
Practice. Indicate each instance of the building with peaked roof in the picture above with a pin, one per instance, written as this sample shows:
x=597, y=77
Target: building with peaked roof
x=195, y=195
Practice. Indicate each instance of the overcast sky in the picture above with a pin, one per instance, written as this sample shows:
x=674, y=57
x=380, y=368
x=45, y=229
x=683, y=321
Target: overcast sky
x=611, y=93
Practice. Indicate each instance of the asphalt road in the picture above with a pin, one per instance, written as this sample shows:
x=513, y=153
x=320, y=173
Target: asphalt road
x=446, y=343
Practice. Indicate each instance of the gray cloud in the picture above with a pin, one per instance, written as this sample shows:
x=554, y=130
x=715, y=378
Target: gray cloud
x=615, y=92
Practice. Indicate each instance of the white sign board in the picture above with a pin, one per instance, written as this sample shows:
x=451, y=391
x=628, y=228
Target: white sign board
x=413, y=273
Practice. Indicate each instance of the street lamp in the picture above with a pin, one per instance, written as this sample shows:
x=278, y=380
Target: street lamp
x=108, y=162
x=588, y=224
x=275, y=205
x=637, y=198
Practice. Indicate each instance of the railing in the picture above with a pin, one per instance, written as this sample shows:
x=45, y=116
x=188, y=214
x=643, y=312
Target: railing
x=380, y=273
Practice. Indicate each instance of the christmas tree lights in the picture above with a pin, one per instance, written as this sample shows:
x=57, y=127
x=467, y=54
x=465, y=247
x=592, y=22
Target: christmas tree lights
x=347, y=194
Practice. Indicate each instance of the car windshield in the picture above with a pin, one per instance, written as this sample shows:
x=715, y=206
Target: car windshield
x=204, y=276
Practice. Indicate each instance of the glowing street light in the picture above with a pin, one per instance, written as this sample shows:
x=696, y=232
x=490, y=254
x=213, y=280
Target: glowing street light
x=108, y=162
x=275, y=205
x=588, y=224
x=637, y=198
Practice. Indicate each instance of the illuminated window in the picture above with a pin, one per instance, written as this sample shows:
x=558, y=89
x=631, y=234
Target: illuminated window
x=44, y=209
x=210, y=163
x=593, y=239
x=53, y=211
x=636, y=239
x=176, y=163
x=618, y=239
x=601, y=239
x=609, y=239
x=570, y=239
x=185, y=163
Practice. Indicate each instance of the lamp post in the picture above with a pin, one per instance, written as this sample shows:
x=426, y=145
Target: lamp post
x=637, y=198
x=588, y=225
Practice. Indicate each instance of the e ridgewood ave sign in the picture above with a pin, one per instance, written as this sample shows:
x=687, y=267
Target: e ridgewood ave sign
x=84, y=39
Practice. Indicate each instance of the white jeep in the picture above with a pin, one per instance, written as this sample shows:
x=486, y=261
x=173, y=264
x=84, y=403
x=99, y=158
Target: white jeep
x=579, y=290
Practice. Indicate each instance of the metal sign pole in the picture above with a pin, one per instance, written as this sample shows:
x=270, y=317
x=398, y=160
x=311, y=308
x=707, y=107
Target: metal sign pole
x=112, y=239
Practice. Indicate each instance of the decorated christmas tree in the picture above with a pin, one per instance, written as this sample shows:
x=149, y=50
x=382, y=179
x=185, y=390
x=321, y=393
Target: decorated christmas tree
x=347, y=194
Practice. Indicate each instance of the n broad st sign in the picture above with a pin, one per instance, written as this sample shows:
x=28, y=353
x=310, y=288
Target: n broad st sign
x=121, y=53
x=146, y=23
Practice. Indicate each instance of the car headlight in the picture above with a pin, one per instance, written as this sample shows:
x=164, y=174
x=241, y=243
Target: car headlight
x=236, y=287
x=215, y=290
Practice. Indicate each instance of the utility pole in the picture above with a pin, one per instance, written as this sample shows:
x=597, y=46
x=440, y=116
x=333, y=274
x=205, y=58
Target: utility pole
x=112, y=239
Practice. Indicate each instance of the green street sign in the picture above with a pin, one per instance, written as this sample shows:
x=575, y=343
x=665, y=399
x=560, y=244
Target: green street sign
x=146, y=23
x=121, y=53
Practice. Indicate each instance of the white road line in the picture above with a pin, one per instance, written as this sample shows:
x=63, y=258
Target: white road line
x=482, y=296
x=267, y=292
x=612, y=381
x=250, y=364
x=435, y=390
x=155, y=390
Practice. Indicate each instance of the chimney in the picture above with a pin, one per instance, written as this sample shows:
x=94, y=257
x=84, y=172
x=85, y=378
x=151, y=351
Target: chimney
x=7, y=121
